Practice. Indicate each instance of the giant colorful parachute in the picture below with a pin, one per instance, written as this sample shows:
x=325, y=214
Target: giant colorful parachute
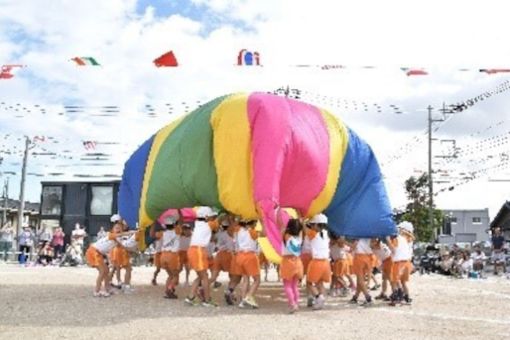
x=250, y=154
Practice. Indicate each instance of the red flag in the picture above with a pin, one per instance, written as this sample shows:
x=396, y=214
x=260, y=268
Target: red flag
x=414, y=72
x=6, y=71
x=39, y=139
x=166, y=60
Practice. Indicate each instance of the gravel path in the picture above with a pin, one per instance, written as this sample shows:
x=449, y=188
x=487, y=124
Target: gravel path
x=51, y=303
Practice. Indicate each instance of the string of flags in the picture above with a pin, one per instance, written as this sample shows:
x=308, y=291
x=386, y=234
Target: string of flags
x=246, y=57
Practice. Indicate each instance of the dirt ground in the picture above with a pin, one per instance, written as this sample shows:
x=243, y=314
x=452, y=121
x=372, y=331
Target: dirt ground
x=57, y=303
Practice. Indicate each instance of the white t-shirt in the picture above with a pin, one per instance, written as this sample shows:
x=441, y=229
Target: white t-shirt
x=158, y=244
x=79, y=235
x=363, y=247
x=382, y=253
x=184, y=243
x=307, y=246
x=403, y=251
x=244, y=241
x=295, y=241
x=211, y=247
x=201, y=234
x=224, y=241
x=129, y=243
x=104, y=245
x=320, y=246
x=170, y=241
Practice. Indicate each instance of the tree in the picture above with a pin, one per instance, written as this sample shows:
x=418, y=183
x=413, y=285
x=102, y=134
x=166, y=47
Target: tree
x=417, y=211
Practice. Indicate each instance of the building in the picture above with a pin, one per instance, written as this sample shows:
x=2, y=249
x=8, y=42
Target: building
x=502, y=220
x=465, y=226
x=89, y=203
x=30, y=214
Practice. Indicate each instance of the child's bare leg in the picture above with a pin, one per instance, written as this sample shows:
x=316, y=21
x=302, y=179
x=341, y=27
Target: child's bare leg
x=127, y=275
x=255, y=285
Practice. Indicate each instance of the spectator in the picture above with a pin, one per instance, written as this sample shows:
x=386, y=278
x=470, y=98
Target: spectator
x=58, y=241
x=45, y=235
x=478, y=260
x=25, y=241
x=446, y=264
x=498, y=254
x=78, y=235
x=6, y=238
x=467, y=264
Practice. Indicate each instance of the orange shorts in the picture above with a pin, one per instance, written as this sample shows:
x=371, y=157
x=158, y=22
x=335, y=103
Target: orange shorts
x=222, y=261
x=291, y=267
x=198, y=259
x=248, y=263
x=387, y=267
x=157, y=260
x=401, y=271
x=305, y=259
x=120, y=257
x=94, y=257
x=235, y=269
x=350, y=261
x=375, y=261
x=318, y=270
x=341, y=267
x=362, y=264
x=170, y=261
x=210, y=263
x=183, y=257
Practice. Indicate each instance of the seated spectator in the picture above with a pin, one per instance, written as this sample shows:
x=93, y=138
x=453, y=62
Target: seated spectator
x=467, y=264
x=446, y=264
x=479, y=259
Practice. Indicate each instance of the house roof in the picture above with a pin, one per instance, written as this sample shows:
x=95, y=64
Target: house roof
x=502, y=218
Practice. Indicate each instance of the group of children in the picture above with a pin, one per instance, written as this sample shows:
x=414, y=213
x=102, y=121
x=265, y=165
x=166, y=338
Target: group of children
x=110, y=254
x=310, y=254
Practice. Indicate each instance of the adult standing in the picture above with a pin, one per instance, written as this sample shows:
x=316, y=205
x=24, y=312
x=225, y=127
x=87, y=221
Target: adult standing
x=6, y=238
x=78, y=239
x=498, y=253
x=58, y=241
x=25, y=241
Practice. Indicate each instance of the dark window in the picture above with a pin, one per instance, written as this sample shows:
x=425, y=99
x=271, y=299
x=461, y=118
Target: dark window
x=447, y=227
x=51, y=200
x=102, y=200
x=477, y=220
x=453, y=219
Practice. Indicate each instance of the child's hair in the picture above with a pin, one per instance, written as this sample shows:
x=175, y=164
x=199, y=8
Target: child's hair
x=294, y=227
x=333, y=236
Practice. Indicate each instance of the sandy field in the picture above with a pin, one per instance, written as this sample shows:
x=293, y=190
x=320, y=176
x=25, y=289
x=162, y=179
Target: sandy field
x=57, y=303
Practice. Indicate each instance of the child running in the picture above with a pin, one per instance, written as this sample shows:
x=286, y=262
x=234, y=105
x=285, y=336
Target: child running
x=197, y=255
x=96, y=255
x=247, y=261
x=402, y=253
x=340, y=266
x=183, y=250
x=383, y=253
x=121, y=260
x=225, y=245
x=362, y=265
x=157, y=235
x=291, y=268
x=170, y=255
x=319, y=269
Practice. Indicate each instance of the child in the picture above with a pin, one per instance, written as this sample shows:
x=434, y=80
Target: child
x=341, y=266
x=170, y=255
x=362, y=265
x=96, y=255
x=247, y=261
x=402, y=253
x=197, y=254
x=183, y=250
x=319, y=269
x=120, y=260
x=383, y=254
x=291, y=268
x=157, y=248
x=225, y=245
x=235, y=270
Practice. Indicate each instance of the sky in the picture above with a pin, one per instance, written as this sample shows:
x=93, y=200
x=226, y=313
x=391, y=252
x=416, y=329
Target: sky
x=450, y=40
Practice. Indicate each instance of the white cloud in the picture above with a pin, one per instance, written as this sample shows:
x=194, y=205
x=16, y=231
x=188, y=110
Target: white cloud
x=440, y=36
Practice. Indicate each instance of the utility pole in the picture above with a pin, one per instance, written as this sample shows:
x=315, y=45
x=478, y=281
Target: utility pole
x=6, y=198
x=22, y=186
x=445, y=111
x=431, y=184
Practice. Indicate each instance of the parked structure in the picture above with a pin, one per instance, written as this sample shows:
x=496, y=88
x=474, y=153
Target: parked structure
x=89, y=203
x=30, y=214
x=465, y=226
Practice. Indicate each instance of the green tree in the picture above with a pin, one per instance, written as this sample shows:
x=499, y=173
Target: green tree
x=417, y=211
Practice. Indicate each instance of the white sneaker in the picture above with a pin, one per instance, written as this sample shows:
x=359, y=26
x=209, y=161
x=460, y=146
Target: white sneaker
x=97, y=294
x=105, y=294
x=127, y=289
x=319, y=303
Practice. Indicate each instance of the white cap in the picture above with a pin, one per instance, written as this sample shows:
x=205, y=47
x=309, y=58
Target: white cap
x=169, y=220
x=115, y=218
x=407, y=226
x=205, y=212
x=319, y=219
